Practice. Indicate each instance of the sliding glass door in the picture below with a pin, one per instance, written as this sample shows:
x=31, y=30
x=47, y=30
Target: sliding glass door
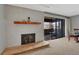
x=54, y=28
x=59, y=28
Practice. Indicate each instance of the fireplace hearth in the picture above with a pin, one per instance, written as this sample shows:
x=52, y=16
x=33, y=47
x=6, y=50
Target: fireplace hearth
x=27, y=38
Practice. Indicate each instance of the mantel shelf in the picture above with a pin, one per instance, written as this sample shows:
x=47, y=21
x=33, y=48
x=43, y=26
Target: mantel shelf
x=25, y=22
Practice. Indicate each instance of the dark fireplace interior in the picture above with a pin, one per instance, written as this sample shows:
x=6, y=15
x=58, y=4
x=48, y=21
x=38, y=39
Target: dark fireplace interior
x=27, y=38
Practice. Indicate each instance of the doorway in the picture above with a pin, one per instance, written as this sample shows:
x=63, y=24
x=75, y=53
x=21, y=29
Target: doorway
x=54, y=28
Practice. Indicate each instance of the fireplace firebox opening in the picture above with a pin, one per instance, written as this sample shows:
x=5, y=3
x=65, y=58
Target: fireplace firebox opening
x=27, y=38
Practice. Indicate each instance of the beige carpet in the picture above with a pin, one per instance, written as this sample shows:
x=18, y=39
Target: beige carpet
x=57, y=47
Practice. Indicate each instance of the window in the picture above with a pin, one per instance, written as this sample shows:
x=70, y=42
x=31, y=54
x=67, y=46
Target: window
x=46, y=25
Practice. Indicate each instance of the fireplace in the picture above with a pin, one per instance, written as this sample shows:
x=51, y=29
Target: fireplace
x=27, y=38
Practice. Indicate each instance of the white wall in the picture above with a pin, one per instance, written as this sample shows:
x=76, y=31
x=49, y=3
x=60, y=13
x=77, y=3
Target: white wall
x=74, y=22
x=2, y=29
x=14, y=31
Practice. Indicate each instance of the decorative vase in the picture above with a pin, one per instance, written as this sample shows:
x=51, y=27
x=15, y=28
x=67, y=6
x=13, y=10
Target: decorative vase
x=28, y=19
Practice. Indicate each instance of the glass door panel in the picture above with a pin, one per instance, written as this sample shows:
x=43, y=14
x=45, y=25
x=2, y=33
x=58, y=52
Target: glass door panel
x=54, y=28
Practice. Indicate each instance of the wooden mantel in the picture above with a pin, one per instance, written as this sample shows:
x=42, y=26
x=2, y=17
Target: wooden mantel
x=25, y=22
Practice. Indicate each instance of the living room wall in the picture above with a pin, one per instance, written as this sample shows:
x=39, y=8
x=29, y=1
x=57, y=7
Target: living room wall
x=74, y=23
x=14, y=31
x=2, y=30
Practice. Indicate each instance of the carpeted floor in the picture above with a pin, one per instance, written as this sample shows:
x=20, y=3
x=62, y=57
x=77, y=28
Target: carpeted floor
x=57, y=47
